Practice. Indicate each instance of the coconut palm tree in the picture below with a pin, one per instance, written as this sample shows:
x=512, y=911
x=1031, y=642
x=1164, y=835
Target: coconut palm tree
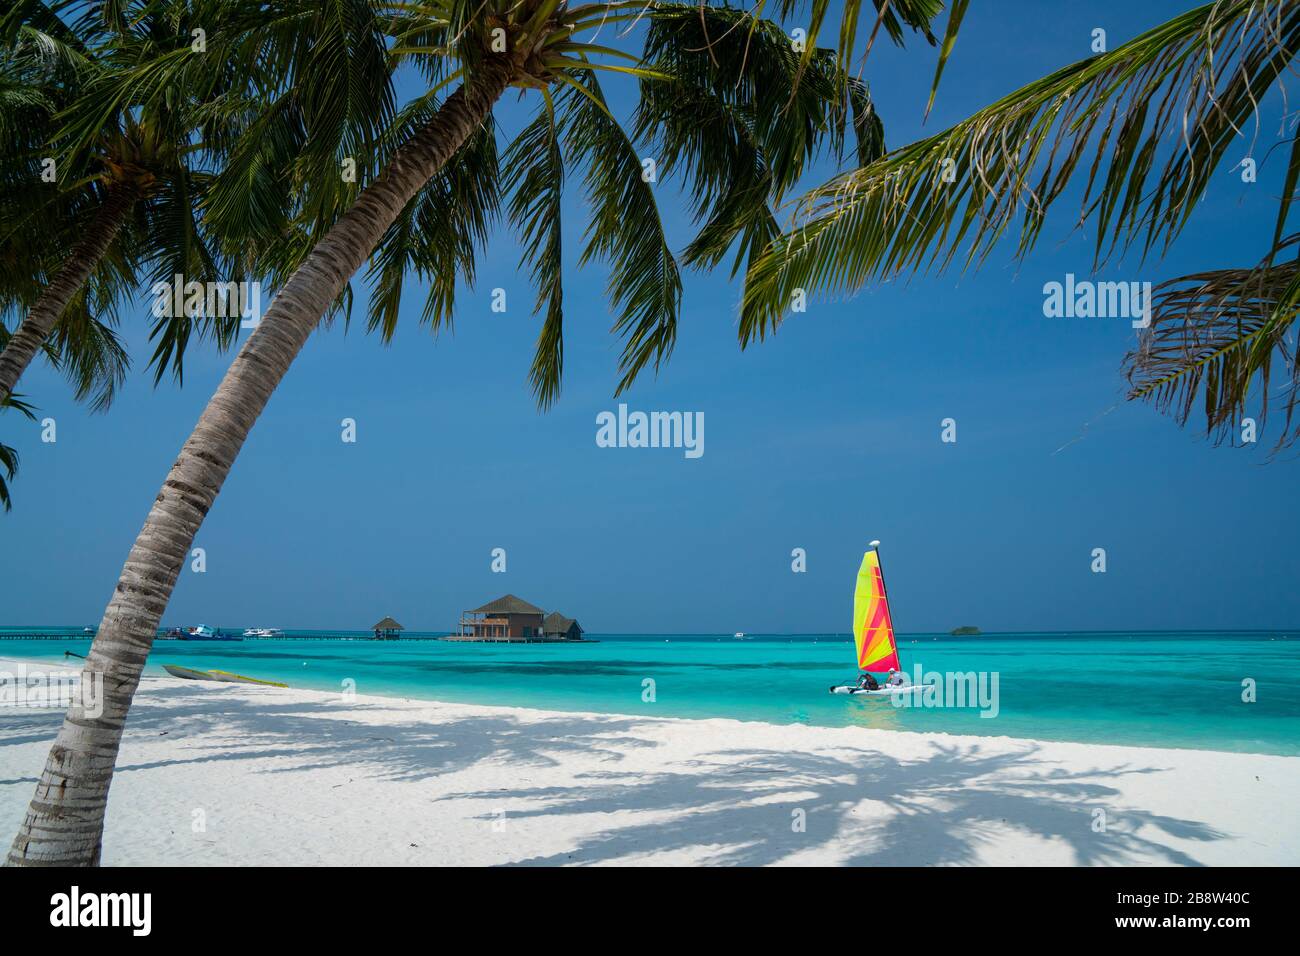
x=1144, y=127
x=125, y=204
x=427, y=208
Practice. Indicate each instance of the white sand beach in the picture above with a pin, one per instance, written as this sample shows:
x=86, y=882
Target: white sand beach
x=214, y=774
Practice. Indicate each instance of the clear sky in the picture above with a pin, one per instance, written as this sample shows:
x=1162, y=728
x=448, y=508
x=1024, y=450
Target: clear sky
x=821, y=438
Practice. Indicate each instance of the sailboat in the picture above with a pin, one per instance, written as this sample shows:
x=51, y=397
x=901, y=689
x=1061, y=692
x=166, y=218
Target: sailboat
x=873, y=629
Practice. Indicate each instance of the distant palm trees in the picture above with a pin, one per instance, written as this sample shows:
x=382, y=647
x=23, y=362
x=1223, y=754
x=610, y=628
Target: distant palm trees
x=726, y=100
x=1144, y=129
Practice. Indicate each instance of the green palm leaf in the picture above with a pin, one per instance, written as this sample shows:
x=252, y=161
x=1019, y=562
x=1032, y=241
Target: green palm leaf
x=1216, y=336
x=535, y=179
x=8, y=454
x=1194, y=82
x=741, y=118
x=438, y=234
x=626, y=230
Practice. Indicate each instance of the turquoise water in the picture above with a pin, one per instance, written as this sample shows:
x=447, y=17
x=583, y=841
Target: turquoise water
x=1154, y=689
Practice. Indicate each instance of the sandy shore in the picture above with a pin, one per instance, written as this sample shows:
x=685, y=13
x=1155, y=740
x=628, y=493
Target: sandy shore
x=216, y=774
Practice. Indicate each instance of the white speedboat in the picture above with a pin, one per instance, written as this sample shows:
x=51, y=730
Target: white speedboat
x=263, y=632
x=205, y=633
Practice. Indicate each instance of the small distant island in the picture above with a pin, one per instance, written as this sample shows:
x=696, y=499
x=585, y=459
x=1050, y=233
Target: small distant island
x=964, y=631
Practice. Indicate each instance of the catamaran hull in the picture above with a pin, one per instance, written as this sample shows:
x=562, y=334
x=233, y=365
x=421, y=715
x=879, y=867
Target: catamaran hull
x=855, y=691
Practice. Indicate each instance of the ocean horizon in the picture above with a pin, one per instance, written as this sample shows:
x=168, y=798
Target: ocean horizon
x=1183, y=689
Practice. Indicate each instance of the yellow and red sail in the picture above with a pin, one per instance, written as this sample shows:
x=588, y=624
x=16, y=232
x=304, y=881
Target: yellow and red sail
x=873, y=632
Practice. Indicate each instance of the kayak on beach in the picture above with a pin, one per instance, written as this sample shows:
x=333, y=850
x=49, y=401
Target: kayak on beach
x=189, y=673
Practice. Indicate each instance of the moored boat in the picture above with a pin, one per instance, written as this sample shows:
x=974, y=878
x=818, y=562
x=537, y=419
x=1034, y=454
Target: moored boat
x=205, y=633
x=873, y=633
x=225, y=677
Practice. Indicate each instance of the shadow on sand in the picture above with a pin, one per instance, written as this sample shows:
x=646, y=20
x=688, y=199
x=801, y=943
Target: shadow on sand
x=945, y=806
x=941, y=808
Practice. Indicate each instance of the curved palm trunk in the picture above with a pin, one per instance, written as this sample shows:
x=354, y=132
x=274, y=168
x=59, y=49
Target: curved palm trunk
x=72, y=275
x=65, y=821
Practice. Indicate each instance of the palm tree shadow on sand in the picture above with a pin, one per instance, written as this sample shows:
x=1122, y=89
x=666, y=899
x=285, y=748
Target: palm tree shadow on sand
x=324, y=733
x=944, y=807
x=863, y=806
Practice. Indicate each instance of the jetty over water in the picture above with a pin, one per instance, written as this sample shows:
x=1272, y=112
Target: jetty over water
x=66, y=634
x=41, y=636
x=507, y=620
x=470, y=639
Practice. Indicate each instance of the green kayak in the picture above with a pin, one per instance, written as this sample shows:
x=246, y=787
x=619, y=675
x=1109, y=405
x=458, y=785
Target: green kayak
x=189, y=673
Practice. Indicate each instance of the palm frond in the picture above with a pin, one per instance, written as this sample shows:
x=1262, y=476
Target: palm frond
x=178, y=247
x=8, y=454
x=252, y=199
x=535, y=180
x=8, y=470
x=625, y=229
x=1214, y=340
x=867, y=127
x=955, y=16
x=741, y=119
x=89, y=354
x=1194, y=81
x=747, y=64
x=896, y=16
x=439, y=233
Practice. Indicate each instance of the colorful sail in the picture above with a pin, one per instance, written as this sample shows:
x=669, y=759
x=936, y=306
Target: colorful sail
x=873, y=631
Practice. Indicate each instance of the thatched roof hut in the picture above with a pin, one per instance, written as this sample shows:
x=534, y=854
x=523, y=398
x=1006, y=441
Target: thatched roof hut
x=509, y=604
x=386, y=630
x=557, y=625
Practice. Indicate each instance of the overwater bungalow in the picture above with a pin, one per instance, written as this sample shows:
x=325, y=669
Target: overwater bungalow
x=386, y=630
x=511, y=618
x=560, y=628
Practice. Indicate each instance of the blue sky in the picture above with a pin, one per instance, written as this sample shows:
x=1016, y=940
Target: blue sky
x=822, y=438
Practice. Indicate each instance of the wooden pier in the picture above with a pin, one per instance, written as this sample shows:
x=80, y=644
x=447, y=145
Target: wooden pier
x=163, y=636
x=470, y=639
x=43, y=636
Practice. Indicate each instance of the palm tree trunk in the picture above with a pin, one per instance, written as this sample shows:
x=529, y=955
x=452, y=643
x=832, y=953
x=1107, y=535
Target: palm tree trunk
x=65, y=821
x=72, y=275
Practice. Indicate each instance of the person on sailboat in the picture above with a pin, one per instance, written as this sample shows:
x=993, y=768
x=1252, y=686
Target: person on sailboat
x=867, y=682
x=896, y=678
